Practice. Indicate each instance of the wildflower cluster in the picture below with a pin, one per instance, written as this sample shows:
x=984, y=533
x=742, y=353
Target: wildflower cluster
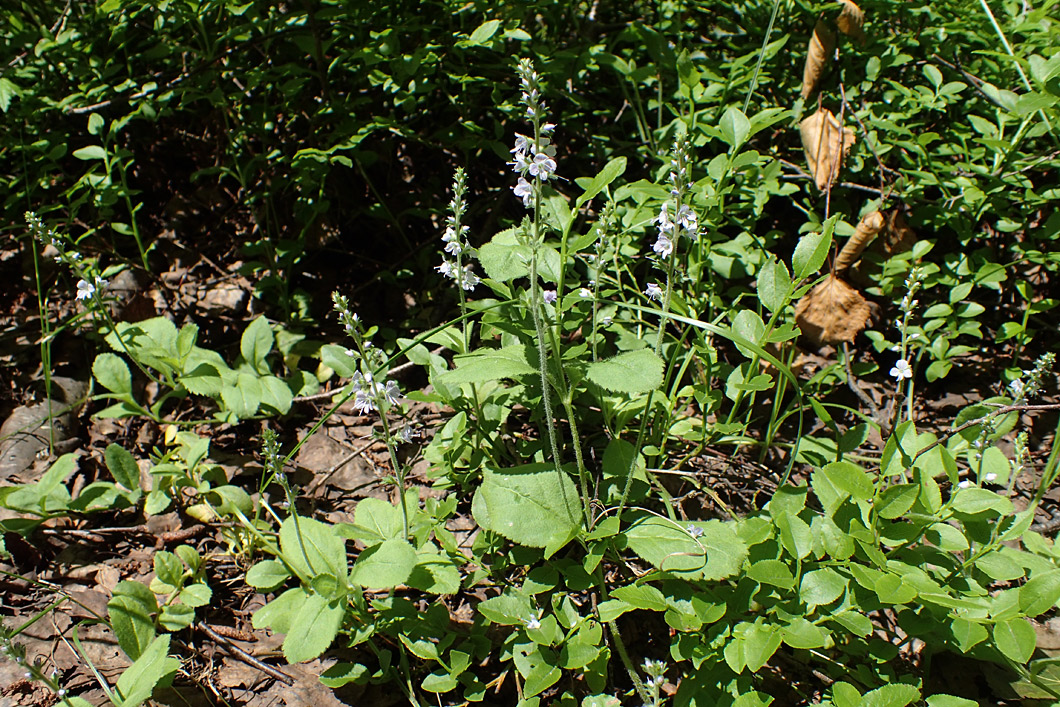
x=1029, y=384
x=902, y=369
x=533, y=157
x=455, y=244
x=369, y=395
x=89, y=283
x=676, y=218
x=656, y=670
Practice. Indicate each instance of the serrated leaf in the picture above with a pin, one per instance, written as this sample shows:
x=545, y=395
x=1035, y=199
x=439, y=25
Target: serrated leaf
x=629, y=372
x=122, y=466
x=531, y=505
x=893, y=695
x=490, y=365
x=313, y=628
x=704, y=550
x=203, y=379
x=385, y=565
x=311, y=548
x=243, y=398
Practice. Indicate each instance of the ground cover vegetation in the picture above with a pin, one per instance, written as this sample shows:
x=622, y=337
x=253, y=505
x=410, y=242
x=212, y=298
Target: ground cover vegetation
x=537, y=353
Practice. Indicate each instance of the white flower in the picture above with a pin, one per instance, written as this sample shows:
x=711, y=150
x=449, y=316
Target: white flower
x=85, y=289
x=454, y=248
x=351, y=353
x=1016, y=386
x=542, y=166
x=901, y=370
x=525, y=191
x=522, y=144
x=469, y=280
x=653, y=291
x=446, y=268
x=606, y=321
x=694, y=530
x=533, y=622
x=549, y=296
x=585, y=293
x=689, y=221
x=989, y=476
x=663, y=246
x=663, y=219
x=965, y=484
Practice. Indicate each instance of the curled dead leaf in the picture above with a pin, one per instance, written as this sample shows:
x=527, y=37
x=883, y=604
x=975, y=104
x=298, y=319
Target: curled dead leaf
x=851, y=20
x=820, y=49
x=867, y=229
x=832, y=312
x=898, y=237
x=825, y=143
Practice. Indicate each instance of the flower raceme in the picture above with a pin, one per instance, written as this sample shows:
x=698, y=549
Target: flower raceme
x=533, y=158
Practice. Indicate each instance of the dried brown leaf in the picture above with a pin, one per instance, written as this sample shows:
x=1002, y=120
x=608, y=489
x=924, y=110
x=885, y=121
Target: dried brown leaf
x=833, y=312
x=866, y=230
x=825, y=143
x=898, y=237
x=851, y=20
x=819, y=51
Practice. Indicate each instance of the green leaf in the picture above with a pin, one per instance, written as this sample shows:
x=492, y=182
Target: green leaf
x=196, y=595
x=773, y=572
x=8, y=90
x=256, y=343
x=748, y=325
x=489, y=365
x=482, y=34
x=92, y=152
x=130, y=609
x=820, y=587
x=169, y=570
x=774, y=285
x=152, y=666
x=313, y=628
x=267, y=574
x=810, y=253
x=735, y=127
x=203, y=379
x=708, y=550
x=276, y=394
x=244, y=397
x=1015, y=639
x=537, y=665
x=312, y=548
x=800, y=633
x=893, y=695
x=850, y=479
x=978, y=500
x=380, y=518
x=176, y=617
x=795, y=534
x=611, y=171
x=504, y=258
x=630, y=372
x=111, y=372
x=950, y=701
x=122, y=466
x=434, y=573
x=1040, y=593
x=531, y=505
x=385, y=565
x=895, y=501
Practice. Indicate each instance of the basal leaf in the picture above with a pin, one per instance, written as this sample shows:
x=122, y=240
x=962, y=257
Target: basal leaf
x=385, y=565
x=629, y=372
x=313, y=628
x=531, y=505
x=706, y=550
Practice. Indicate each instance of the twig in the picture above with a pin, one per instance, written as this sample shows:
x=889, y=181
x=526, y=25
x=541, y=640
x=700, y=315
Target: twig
x=802, y=174
x=247, y=658
x=852, y=383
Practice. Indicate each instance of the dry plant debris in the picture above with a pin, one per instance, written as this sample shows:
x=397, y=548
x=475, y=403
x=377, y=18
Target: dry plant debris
x=822, y=44
x=867, y=230
x=851, y=20
x=825, y=143
x=833, y=312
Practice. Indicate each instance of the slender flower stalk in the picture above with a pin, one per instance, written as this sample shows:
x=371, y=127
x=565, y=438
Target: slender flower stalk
x=902, y=371
x=683, y=221
x=372, y=395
